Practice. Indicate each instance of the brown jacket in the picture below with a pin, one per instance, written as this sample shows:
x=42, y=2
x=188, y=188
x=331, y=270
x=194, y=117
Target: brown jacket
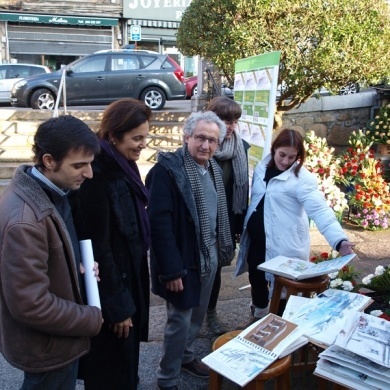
x=43, y=322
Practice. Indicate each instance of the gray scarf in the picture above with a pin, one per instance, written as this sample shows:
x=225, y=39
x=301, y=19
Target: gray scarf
x=233, y=149
x=225, y=245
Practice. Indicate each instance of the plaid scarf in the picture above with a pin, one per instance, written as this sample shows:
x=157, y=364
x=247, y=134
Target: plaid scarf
x=233, y=149
x=225, y=245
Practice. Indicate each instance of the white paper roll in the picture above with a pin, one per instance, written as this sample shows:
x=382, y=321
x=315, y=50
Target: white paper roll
x=91, y=284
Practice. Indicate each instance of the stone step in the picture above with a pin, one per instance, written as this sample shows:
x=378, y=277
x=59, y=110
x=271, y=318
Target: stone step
x=7, y=169
x=15, y=154
x=86, y=115
x=3, y=184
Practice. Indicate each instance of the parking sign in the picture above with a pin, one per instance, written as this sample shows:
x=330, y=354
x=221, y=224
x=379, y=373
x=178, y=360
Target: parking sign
x=135, y=33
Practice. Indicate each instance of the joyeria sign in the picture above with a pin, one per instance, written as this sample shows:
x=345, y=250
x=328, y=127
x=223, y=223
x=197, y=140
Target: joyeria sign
x=172, y=9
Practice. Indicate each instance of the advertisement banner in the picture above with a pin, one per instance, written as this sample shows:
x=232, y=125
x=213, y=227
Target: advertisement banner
x=255, y=86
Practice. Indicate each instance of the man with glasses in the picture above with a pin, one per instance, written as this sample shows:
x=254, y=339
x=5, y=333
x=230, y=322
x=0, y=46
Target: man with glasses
x=190, y=235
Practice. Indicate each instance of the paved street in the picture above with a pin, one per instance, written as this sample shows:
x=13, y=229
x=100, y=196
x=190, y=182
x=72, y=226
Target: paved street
x=371, y=247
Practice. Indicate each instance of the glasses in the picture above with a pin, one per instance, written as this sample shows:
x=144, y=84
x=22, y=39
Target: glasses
x=202, y=139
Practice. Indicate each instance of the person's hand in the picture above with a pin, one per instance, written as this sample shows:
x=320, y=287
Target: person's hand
x=95, y=269
x=175, y=285
x=122, y=329
x=346, y=248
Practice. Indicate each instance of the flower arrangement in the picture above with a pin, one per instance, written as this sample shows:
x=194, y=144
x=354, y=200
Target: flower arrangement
x=379, y=284
x=369, y=199
x=320, y=160
x=378, y=130
x=345, y=279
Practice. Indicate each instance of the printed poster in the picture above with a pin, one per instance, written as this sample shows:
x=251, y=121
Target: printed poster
x=255, y=85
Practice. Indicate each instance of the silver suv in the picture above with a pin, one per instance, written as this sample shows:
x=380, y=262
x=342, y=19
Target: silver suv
x=11, y=73
x=104, y=77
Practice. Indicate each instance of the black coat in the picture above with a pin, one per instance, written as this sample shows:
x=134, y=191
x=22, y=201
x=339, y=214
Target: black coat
x=174, y=231
x=105, y=212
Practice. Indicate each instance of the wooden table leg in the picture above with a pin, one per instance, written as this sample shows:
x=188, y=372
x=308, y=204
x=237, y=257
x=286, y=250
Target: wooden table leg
x=215, y=382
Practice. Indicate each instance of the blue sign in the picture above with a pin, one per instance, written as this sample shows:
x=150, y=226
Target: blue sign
x=135, y=33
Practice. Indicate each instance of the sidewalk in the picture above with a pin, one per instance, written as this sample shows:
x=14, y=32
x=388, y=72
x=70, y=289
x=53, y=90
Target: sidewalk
x=373, y=248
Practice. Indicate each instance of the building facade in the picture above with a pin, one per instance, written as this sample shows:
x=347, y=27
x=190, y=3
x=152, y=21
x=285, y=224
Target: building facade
x=55, y=33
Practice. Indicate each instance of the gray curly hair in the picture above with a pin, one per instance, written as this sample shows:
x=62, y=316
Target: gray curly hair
x=207, y=116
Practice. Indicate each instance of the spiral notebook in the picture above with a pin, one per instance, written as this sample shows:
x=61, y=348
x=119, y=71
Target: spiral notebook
x=245, y=356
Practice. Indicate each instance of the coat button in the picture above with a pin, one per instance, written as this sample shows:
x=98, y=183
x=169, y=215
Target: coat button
x=124, y=276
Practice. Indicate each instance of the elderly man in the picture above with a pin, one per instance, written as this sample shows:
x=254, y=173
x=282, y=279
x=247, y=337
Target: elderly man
x=190, y=236
x=44, y=325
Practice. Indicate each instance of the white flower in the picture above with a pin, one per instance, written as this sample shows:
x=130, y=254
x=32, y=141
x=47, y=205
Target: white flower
x=336, y=283
x=379, y=270
x=376, y=313
x=347, y=285
x=367, y=279
x=333, y=275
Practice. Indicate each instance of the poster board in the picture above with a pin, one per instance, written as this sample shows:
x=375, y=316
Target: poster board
x=255, y=85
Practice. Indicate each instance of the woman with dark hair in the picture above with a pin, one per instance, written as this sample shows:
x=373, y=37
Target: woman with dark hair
x=232, y=157
x=284, y=196
x=110, y=210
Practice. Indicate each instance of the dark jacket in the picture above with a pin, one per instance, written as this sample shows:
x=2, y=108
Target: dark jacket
x=104, y=211
x=43, y=322
x=174, y=231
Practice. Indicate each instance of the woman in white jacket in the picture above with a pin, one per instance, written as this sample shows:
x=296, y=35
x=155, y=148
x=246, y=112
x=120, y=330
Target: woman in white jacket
x=284, y=194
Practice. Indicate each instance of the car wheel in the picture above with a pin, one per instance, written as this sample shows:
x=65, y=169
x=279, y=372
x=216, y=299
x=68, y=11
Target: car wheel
x=349, y=89
x=154, y=98
x=43, y=99
x=194, y=90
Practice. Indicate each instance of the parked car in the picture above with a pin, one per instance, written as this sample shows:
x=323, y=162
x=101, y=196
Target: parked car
x=11, y=73
x=191, y=86
x=104, y=77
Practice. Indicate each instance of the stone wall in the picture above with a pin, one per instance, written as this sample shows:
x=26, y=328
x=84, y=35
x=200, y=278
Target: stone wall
x=333, y=117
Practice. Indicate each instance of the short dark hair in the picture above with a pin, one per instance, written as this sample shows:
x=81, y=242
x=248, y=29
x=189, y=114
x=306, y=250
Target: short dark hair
x=123, y=116
x=289, y=137
x=58, y=136
x=227, y=109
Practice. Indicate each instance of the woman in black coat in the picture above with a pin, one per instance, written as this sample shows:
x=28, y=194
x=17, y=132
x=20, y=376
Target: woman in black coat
x=110, y=210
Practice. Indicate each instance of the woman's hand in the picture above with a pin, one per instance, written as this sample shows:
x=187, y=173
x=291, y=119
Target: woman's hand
x=346, y=248
x=122, y=329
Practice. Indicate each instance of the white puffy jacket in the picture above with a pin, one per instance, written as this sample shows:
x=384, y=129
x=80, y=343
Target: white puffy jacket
x=289, y=201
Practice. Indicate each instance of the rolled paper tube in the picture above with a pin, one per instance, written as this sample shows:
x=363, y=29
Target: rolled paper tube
x=91, y=283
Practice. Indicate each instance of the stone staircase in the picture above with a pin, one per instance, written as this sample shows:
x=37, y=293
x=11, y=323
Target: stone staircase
x=17, y=129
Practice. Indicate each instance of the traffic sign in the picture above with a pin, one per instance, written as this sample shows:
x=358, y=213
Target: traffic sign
x=135, y=33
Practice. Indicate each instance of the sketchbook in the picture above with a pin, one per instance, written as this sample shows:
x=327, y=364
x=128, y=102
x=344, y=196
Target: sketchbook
x=254, y=349
x=367, y=336
x=322, y=317
x=300, y=269
x=360, y=356
x=351, y=369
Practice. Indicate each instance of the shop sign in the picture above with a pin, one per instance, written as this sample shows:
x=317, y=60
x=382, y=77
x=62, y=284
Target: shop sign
x=56, y=19
x=169, y=10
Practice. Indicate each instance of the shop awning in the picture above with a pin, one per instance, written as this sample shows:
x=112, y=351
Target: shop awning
x=57, y=19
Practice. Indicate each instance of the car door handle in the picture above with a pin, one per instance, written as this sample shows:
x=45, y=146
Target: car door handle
x=100, y=78
x=140, y=76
